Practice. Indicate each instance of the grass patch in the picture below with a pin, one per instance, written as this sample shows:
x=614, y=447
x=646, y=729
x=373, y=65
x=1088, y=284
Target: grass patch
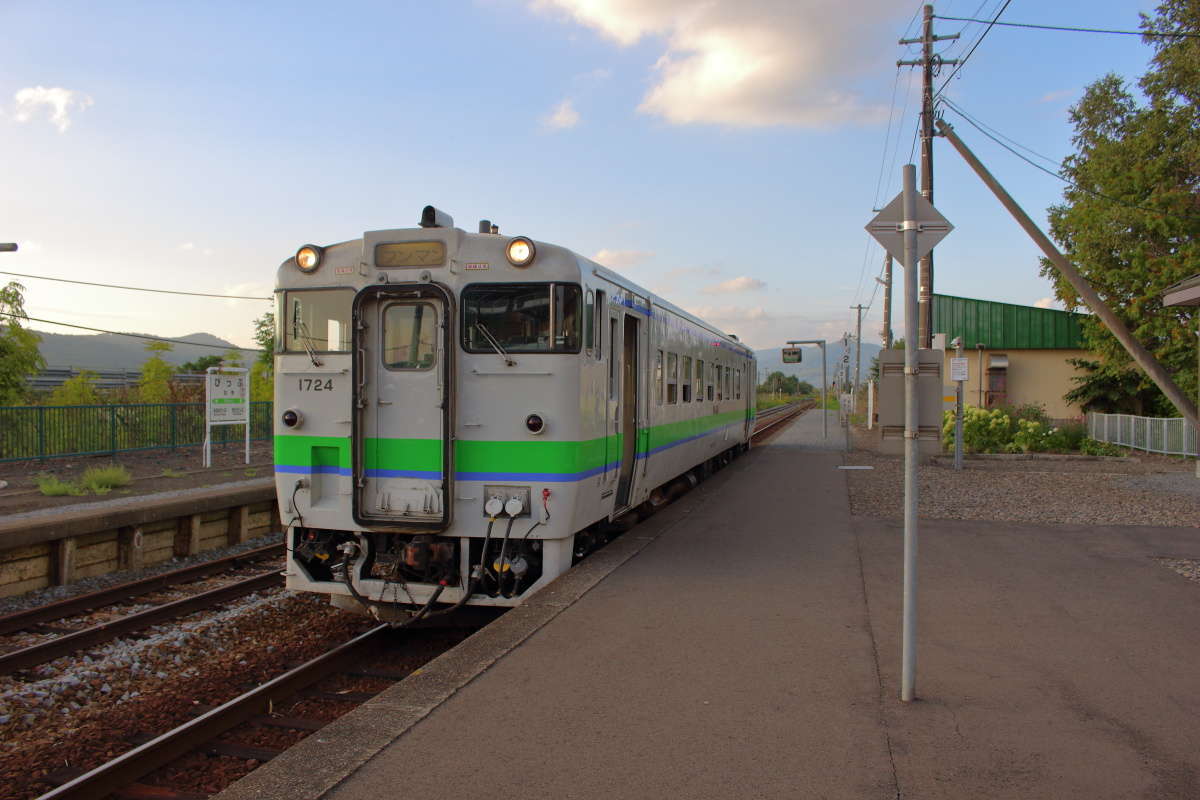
x=51, y=486
x=103, y=480
x=173, y=473
x=251, y=472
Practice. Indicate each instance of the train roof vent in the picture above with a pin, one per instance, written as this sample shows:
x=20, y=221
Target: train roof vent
x=433, y=218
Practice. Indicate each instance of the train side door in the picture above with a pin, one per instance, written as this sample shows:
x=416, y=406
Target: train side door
x=402, y=463
x=627, y=409
x=612, y=424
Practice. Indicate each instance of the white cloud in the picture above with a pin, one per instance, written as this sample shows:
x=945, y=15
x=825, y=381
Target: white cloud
x=1059, y=94
x=1045, y=302
x=59, y=103
x=743, y=283
x=30, y=246
x=726, y=314
x=562, y=117
x=621, y=259
x=748, y=63
x=186, y=246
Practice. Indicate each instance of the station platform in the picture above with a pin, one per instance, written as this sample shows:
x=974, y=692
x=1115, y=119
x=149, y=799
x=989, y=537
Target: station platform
x=745, y=643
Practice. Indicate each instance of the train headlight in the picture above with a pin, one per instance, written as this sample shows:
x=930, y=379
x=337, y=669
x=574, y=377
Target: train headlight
x=520, y=252
x=308, y=258
x=292, y=418
x=535, y=423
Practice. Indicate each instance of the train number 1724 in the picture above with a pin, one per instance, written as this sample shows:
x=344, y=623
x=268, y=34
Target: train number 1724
x=315, y=384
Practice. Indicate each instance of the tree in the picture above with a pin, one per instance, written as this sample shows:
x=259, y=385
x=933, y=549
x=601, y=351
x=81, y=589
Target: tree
x=264, y=337
x=19, y=355
x=79, y=390
x=201, y=364
x=1131, y=217
x=155, y=383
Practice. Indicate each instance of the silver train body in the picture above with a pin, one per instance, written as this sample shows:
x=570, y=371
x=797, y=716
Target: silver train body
x=460, y=415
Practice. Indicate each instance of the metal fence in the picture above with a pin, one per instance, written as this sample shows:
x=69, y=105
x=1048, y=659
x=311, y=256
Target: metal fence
x=1174, y=436
x=59, y=431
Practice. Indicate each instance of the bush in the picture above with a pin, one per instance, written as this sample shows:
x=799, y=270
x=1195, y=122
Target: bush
x=103, y=480
x=1092, y=447
x=984, y=431
x=51, y=486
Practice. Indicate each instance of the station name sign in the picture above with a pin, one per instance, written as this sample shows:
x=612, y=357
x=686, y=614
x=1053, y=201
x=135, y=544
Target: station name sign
x=792, y=355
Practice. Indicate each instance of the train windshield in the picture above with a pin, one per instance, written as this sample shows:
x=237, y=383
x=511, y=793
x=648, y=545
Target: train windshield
x=521, y=318
x=317, y=320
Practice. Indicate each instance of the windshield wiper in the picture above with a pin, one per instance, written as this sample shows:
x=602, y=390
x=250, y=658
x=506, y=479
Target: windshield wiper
x=508, y=360
x=306, y=340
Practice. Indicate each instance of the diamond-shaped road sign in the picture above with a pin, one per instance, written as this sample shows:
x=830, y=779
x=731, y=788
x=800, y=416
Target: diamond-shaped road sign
x=888, y=227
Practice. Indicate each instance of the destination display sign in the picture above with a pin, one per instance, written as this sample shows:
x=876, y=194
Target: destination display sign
x=410, y=254
x=792, y=355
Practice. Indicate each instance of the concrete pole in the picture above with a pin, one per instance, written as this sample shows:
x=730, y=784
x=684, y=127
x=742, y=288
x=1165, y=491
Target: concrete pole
x=1141, y=356
x=908, y=657
x=824, y=402
x=925, y=328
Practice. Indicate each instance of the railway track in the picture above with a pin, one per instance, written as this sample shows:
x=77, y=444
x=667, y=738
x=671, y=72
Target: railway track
x=38, y=620
x=146, y=770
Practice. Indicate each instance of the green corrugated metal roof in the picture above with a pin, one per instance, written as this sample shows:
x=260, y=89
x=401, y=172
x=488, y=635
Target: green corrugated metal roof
x=1004, y=325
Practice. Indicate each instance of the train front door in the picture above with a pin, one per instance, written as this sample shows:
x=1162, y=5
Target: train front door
x=402, y=461
x=627, y=409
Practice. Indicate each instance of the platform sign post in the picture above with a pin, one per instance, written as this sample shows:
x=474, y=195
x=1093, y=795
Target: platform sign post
x=792, y=345
x=226, y=402
x=958, y=374
x=908, y=228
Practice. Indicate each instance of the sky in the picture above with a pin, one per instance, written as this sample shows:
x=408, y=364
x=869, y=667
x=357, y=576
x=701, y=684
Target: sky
x=726, y=154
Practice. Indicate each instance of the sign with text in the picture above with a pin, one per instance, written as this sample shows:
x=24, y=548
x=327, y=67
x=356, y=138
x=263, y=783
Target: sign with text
x=792, y=355
x=228, y=399
x=958, y=369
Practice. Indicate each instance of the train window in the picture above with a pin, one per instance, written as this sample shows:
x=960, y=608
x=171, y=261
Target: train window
x=718, y=368
x=672, y=378
x=589, y=324
x=317, y=320
x=409, y=336
x=737, y=382
x=709, y=383
x=658, y=376
x=612, y=358
x=521, y=318
x=699, y=380
x=728, y=382
x=685, y=386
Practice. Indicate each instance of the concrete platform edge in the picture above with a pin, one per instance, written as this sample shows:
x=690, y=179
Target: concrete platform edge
x=320, y=762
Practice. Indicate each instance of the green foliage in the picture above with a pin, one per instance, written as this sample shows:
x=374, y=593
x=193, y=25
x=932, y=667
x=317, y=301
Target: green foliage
x=1092, y=447
x=262, y=382
x=264, y=337
x=79, y=390
x=1012, y=429
x=201, y=364
x=51, y=486
x=1112, y=388
x=173, y=473
x=102, y=480
x=155, y=383
x=234, y=358
x=778, y=383
x=1130, y=221
x=984, y=431
x=19, y=356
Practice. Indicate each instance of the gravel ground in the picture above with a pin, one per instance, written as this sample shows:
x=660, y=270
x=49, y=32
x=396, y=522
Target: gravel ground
x=1064, y=492
x=1186, y=567
x=52, y=593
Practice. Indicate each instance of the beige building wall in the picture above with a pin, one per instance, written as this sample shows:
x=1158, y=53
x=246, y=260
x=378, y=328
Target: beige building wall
x=1034, y=376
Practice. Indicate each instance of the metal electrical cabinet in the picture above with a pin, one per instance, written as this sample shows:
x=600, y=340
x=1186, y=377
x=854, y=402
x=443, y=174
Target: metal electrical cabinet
x=891, y=401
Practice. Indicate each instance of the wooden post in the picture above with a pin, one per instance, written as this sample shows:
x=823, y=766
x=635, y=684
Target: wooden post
x=130, y=554
x=187, y=537
x=64, y=561
x=239, y=525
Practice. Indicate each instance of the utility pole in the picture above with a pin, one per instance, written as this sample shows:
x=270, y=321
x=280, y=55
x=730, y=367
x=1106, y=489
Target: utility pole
x=930, y=63
x=858, y=344
x=887, y=301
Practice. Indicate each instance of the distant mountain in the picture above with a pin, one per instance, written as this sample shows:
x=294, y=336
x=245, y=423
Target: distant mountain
x=771, y=360
x=105, y=351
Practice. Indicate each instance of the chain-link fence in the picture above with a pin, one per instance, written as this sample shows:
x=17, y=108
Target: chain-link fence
x=1174, y=436
x=59, y=431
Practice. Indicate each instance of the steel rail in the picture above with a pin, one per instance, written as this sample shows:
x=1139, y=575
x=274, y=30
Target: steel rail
x=795, y=410
x=21, y=620
x=144, y=759
x=68, y=643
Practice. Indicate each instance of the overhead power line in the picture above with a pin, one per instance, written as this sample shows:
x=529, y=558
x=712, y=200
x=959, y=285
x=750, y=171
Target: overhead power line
x=134, y=288
x=1162, y=34
x=971, y=52
x=133, y=335
x=982, y=129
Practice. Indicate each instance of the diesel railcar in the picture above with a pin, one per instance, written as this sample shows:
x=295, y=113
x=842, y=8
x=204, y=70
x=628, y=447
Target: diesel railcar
x=459, y=413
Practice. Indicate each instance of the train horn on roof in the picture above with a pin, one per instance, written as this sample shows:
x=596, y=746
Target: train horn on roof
x=433, y=218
